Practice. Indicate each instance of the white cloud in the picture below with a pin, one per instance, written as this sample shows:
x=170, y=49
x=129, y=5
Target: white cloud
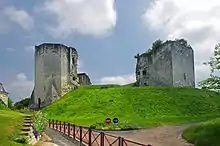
x=197, y=21
x=10, y=49
x=90, y=17
x=122, y=80
x=29, y=48
x=20, y=17
x=21, y=87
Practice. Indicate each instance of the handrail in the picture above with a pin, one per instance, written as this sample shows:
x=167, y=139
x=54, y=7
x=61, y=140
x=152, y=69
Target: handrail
x=90, y=136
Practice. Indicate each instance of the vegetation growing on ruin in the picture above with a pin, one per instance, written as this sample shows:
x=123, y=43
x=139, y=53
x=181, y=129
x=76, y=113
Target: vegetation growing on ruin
x=204, y=134
x=11, y=123
x=155, y=46
x=134, y=106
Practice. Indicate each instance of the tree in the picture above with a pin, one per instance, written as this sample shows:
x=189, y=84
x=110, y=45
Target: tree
x=10, y=103
x=22, y=104
x=213, y=82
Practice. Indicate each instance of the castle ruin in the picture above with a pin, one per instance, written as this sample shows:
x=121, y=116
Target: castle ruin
x=170, y=64
x=55, y=73
x=84, y=79
x=3, y=95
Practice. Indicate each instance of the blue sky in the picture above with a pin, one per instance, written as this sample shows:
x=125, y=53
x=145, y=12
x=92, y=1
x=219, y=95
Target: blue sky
x=106, y=37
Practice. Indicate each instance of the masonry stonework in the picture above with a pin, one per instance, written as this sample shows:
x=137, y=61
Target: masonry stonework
x=171, y=64
x=55, y=73
x=84, y=79
x=3, y=95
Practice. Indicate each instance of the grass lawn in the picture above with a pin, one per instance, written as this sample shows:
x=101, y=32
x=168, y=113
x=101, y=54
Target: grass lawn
x=135, y=107
x=10, y=123
x=205, y=134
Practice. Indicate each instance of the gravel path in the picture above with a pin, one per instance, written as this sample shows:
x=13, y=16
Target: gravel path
x=160, y=136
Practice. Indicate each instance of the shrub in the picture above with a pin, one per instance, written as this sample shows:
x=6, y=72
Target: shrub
x=39, y=122
x=22, y=139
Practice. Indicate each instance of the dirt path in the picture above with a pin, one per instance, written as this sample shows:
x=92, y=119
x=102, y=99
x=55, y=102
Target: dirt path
x=160, y=136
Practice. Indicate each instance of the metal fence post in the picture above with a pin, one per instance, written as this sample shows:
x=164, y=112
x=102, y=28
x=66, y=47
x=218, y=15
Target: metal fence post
x=102, y=136
x=80, y=134
x=90, y=137
x=60, y=127
x=64, y=127
x=121, y=141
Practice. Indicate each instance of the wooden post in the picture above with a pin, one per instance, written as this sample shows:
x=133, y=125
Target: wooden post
x=56, y=124
x=49, y=122
x=74, y=132
x=60, y=127
x=80, y=134
x=102, y=136
x=90, y=137
x=68, y=129
x=64, y=127
x=53, y=123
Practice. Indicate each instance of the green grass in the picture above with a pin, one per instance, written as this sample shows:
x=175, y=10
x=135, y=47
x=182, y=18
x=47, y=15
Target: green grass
x=10, y=123
x=205, y=134
x=135, y=107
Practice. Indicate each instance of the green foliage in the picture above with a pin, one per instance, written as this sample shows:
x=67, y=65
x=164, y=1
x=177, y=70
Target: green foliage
x=10, y=104
x=2, y=106
x=157, y=44
x=39, y=122
x=205, y=134
x=22, y=104
x=22, y=139
x=135, y=107
x=214, y=81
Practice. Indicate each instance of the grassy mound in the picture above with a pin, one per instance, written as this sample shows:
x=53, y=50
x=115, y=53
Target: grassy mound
x=205, y=134
x=11, y=123
x=135, y=107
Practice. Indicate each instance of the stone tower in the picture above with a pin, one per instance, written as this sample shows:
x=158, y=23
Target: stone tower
x=84, y=79
x=3, y=95
x=171, y=64
x=55, y=73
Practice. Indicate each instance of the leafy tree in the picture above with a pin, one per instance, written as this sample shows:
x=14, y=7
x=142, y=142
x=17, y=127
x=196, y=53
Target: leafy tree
x=213, y=82
x=22, y=104
x=10, y=103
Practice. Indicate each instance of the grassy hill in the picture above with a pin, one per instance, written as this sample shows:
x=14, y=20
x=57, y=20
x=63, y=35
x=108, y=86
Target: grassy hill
x=10, y=123
x=135, y=107
x=204, y=134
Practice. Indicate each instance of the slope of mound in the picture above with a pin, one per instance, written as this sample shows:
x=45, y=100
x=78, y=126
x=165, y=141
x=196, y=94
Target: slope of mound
x=204, y=134
x=11, y=123
x=135, y=106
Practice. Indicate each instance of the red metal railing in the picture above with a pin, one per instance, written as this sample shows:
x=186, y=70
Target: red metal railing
x=91, y=137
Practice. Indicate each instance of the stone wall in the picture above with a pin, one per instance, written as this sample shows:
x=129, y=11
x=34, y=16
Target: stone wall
x=3, y=95
x=171, y=64
x=55, y=69
x=84, y=79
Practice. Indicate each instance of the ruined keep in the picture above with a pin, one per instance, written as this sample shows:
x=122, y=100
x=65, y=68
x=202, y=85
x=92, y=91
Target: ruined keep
x=84, y=79
x=170, y=64
x=3, y=95
x=55, y=73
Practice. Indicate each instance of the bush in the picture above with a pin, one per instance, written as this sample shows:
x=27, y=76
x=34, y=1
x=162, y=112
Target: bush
x=39, y=122
x=2, y=106
x=22, y=139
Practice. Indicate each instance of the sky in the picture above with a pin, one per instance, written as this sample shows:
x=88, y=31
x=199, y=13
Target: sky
x=106, y=33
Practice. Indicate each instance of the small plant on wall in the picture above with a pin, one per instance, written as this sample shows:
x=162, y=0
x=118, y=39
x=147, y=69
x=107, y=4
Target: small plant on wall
x=40, y=123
